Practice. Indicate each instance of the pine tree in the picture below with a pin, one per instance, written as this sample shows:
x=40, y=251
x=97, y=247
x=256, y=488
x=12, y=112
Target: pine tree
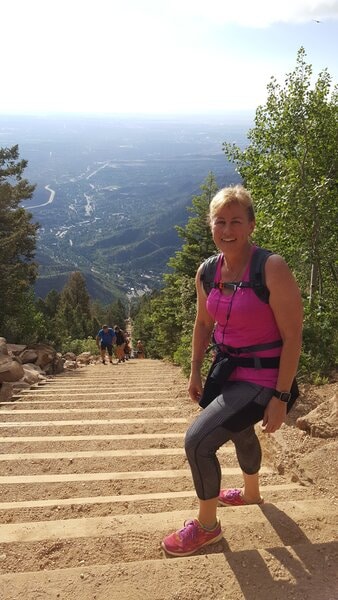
x=117, y=314
x=73, y=315
x=48, y=308
x=198, y=243
x=17, y=236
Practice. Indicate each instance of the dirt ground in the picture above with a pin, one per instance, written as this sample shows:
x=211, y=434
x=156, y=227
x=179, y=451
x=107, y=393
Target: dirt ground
x=309, y=458
x=128, y=498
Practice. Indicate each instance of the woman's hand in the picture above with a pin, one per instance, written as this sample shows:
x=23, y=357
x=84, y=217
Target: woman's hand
x=274, y=415
x=195, y=387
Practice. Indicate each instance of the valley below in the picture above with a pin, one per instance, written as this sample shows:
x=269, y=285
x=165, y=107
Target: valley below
x=110, y=191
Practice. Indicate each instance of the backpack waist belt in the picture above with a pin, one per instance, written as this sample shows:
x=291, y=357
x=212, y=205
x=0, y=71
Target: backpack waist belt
x=271, y=362
x=246, y=349
x=255, y=362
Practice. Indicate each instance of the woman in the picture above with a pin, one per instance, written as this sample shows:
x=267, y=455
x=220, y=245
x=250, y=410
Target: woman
x=237, y=318
x=140, y=349
x=120, y=344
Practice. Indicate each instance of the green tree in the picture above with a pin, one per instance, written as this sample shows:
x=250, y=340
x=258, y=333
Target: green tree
x=52, y=301
x=17, y=237
x=198, y=243
x=116, y=313
x=48, y=308
x=28, y=325
x=290, y=166
x=145, y=324
x=73, y=317
x=178, y=309
x=165, y=319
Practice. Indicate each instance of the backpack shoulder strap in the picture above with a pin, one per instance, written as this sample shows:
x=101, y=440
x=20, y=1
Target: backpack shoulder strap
x=208, y=272
x=257, y=273
x=256, y=276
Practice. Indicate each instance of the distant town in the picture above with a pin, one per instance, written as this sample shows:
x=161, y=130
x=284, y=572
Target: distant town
x=109, y=192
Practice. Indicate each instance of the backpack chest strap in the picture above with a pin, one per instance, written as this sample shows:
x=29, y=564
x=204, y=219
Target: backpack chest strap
x=234, y=285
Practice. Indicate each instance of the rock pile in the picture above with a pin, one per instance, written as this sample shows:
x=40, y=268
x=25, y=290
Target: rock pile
x=22, y=366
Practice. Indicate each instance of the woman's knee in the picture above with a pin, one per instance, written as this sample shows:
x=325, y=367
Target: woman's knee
x=190, y=441
x=248, y=450
x=196, y=445
x=245, y=438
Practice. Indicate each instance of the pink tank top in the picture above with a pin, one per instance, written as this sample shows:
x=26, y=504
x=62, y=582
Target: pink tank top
x=242, y=319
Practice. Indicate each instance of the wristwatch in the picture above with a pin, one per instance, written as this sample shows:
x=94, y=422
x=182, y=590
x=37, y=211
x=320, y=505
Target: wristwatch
x=283, y=396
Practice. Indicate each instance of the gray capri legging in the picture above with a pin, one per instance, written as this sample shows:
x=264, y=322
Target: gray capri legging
x=231, y=416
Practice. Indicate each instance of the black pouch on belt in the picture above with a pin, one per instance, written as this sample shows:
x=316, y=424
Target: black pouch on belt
x=219, y=372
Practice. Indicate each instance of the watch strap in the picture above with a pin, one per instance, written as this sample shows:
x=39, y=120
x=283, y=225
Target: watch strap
x=283, y=396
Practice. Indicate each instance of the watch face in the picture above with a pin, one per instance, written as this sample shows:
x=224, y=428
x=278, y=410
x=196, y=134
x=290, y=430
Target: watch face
x=284, y=396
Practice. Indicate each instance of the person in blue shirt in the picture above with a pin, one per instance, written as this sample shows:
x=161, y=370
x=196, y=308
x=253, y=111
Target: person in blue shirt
x=105, y=339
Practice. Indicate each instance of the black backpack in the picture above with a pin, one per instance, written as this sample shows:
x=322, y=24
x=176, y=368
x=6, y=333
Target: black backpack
x=119, y=337
x=256, y=275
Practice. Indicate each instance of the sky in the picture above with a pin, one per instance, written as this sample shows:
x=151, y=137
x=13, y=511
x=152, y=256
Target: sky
x=157, y=56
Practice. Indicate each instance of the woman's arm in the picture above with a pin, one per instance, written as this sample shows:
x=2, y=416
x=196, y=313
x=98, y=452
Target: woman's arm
x=200, y=340
x=286, y=304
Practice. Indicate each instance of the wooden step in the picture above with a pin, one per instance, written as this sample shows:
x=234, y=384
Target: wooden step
x=58, y=423
x=133, y=500
x=289, y=487
x=271, y=523
x=112, y=410
x=130, y=538
x=298, y=572
x=82, y=402
x=58, y=477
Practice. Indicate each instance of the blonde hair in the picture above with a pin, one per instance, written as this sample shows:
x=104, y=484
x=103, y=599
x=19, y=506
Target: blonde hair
x=235, y=194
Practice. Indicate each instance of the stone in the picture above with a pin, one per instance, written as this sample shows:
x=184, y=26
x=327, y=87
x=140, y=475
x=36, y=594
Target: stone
x=3, y=346
x=322, y=421
x=10, y=370
x=57, y=366
x=33, y=367
x=30, y=375
x=28, y=356
x=69, y=356
x=16, y=349
x=84, y=357
x=70, y=364
x=6, y=391
x=20, y=385
x=45, y=354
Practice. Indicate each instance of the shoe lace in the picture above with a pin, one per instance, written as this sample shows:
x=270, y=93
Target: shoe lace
x=189, y=531
x=233, y=494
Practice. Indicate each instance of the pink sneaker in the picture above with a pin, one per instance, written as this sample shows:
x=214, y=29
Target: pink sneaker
x=234, y=497
x=190, y=538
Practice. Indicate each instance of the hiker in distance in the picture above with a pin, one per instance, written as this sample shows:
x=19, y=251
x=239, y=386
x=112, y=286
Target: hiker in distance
x=254, y=316
x=105, y=339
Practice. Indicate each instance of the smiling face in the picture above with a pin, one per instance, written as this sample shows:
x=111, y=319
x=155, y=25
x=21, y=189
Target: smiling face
x=231, y=228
